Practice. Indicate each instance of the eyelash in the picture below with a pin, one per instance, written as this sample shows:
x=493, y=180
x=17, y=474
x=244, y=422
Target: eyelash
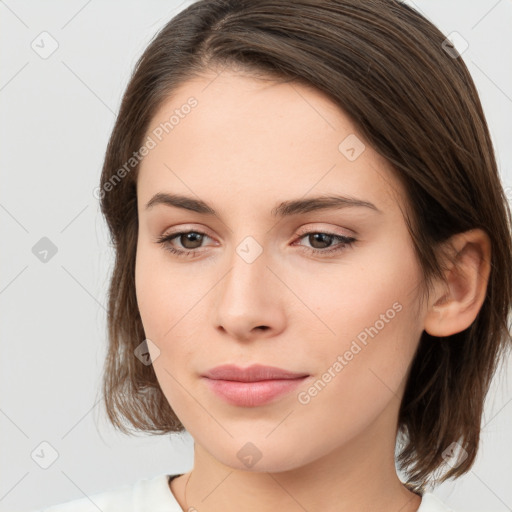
x=345, y=242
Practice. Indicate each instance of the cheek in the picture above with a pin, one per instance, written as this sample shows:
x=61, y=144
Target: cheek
x=163, y=310
x=169, y=302
x=159, y=290
x=147, y=290
x=365, y=291
x=370, y=328
x=361, y=372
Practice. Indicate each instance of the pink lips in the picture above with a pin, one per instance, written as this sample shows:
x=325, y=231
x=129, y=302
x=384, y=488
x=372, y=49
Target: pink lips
x=252, y=386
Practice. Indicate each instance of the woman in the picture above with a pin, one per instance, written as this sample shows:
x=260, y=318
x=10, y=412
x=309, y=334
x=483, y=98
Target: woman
x=312, y=258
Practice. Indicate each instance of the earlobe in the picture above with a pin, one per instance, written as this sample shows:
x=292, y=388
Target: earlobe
x=455, y=303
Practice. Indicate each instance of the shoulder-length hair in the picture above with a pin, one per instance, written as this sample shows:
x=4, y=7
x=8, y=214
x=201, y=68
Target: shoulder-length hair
x=410, y=95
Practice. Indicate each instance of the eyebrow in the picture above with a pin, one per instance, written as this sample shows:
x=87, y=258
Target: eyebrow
x=283, y=209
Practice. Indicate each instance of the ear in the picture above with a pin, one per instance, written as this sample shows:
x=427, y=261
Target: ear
x=455, y=303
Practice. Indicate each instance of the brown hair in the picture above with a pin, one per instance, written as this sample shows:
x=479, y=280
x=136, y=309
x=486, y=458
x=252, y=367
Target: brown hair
x=416, y=104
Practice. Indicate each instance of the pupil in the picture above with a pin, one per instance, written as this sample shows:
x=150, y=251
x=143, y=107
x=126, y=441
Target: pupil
x=192, y=237
x=324, y=239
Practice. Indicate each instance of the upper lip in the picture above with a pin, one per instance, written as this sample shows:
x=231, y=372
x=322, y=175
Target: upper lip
x=252, y=373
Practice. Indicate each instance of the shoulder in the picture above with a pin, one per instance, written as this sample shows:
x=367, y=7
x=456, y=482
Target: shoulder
x=431, y=503
x=152, y=492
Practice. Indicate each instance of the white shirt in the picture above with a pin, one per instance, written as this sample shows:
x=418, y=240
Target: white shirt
x=154, y=495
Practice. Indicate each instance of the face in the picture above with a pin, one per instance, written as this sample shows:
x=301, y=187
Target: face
x=264, y=274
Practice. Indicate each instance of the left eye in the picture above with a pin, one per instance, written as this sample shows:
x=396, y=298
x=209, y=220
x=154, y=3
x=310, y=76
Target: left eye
x=324, y=239
x=195, y=238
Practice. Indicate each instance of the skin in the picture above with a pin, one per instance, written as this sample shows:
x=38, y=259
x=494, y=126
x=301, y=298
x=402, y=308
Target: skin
x=248, y=145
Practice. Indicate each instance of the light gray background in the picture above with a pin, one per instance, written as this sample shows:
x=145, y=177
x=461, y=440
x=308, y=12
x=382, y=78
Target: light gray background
x=56, y=116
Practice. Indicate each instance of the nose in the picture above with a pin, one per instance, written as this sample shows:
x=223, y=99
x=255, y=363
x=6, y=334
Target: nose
x=250, y=297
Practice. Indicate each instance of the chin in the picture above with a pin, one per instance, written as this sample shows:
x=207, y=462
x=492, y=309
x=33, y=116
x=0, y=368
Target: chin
x=258, y=457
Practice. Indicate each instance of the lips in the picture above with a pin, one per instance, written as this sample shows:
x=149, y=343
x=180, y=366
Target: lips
x=253, y=373
x=252, y=386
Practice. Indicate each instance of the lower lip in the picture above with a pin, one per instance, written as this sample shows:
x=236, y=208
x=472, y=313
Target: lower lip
x=252, y=394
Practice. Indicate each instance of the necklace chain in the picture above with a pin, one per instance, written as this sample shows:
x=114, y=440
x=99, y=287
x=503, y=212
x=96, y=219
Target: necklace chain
x=185, y=495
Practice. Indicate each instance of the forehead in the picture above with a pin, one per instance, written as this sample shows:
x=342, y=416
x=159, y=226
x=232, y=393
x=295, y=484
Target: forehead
x=254, y=138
